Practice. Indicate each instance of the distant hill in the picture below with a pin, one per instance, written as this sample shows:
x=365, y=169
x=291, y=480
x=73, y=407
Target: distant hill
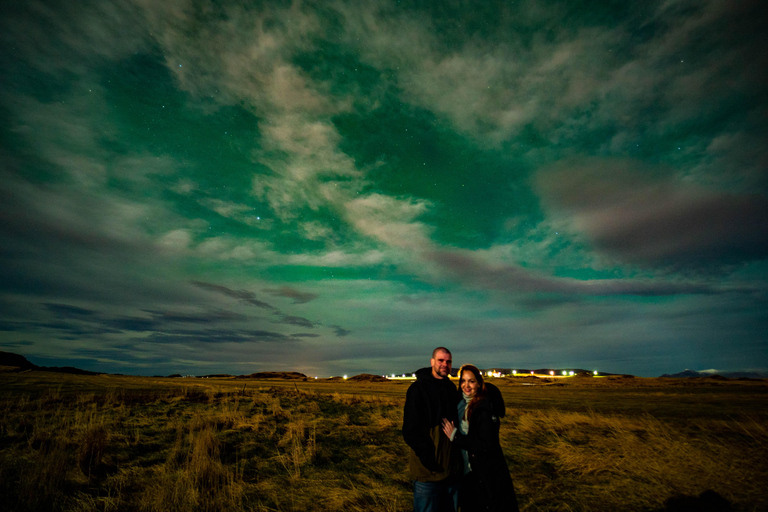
x=11, y=360
x=686, y=374
x=689, y=374
x=17, y=363
x=367, y=377
x=275, y=375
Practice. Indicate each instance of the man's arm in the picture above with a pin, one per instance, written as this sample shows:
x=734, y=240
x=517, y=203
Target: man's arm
x=416, y=432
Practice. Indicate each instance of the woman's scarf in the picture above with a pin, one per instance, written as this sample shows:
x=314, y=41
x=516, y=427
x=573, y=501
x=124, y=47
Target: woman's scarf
x=464, y=428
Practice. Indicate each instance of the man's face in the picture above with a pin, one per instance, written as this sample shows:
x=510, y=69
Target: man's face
x=441, y=364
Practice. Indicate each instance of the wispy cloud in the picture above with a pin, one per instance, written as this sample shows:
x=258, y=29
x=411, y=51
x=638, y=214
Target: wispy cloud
x=298, y=296
x=242, y=295
x=514, y=279
x=296, y=320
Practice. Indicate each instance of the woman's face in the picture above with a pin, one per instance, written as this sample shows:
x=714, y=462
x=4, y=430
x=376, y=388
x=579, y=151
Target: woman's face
x=468, y=383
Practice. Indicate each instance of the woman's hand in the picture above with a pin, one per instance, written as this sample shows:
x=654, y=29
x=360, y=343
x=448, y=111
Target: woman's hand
x=448, y=428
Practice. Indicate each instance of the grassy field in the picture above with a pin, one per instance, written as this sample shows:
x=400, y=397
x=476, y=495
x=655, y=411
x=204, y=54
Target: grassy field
x=114, y=443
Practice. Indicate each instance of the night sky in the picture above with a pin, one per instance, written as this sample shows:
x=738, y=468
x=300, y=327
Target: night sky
x=338, y=187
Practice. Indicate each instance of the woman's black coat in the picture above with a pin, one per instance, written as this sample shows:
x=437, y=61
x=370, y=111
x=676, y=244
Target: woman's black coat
x=489, y=485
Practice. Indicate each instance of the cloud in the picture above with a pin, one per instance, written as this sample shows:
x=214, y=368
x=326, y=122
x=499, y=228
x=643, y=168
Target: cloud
x=308, y=169
x=68, y=311
x=241, y=295
x=298, y=296
x=341, y=258
x=513, y=279
x=390, y=220
x=196, y=317
x=491, y=82
x=206, y=336
x=241, y=250
x=244, y=213
x=640, y=216
x=735, y=160
x=296, y=320
x=76, y=35
x=14, y=345
x=135, y=324
x=78, y=321
x=340, y=331
x=85, y=327
x=176, y=240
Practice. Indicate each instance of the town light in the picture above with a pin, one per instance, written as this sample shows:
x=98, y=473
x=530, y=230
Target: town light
x=595, y=372
x=565, y=373
x=552, y=372
x=514, y=372
x=345, y=377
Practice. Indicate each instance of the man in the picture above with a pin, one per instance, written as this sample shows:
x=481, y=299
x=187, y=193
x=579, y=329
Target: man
x=431, y=462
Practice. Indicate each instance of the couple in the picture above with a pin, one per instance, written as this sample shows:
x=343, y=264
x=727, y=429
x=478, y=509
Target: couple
x=456, y=461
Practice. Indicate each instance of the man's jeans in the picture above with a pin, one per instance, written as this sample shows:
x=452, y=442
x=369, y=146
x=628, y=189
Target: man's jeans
x=435, y=496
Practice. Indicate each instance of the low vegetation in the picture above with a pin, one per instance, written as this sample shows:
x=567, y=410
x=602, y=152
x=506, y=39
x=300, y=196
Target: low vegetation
x=110, y=443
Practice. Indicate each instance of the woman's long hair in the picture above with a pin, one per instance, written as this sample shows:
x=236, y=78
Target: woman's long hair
x=481, y=390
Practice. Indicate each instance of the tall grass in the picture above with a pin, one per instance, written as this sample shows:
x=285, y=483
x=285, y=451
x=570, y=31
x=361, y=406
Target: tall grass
x=166, y=446
x=605, y=462
x=192, y=449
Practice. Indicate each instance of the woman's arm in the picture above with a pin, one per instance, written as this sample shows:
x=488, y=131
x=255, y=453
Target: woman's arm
x=483, y=435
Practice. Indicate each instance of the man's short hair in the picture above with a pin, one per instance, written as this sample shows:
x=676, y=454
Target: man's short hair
x=440, y=349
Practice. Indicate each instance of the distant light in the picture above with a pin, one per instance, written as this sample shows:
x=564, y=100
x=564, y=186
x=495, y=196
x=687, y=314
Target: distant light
x=595, y=372
x=413, y=375
x=315, y=377
x=565, y=372
x=514, y=372
x=531, y=372
x=345, y=377
x=552, y=372
x=570, y=372
x=490, y=373
x=393, y=375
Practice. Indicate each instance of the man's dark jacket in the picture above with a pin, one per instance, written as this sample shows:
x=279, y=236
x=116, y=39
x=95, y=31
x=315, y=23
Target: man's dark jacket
x=488, y=486
x=427, y=402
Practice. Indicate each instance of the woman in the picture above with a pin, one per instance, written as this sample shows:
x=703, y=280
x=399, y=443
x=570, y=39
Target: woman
x=486, y=484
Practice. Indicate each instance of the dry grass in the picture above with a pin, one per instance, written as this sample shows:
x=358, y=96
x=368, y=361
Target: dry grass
x=588, y=458
x=131, y=444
